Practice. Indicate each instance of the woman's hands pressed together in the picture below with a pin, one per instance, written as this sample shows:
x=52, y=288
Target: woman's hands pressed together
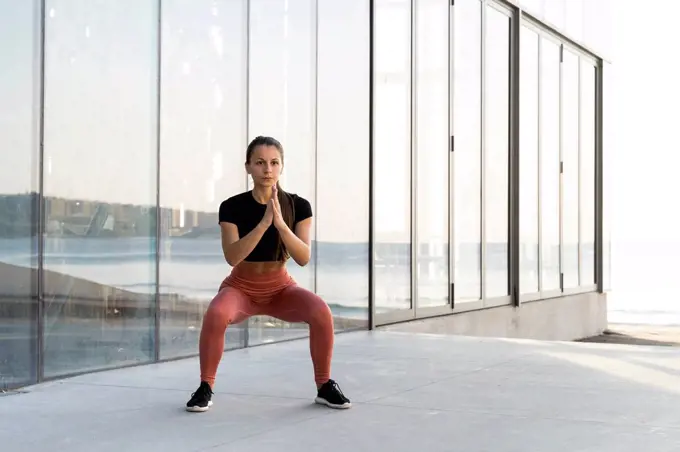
x=268, y=217
x=296, y=242
x=278, y=221
x=272, y=215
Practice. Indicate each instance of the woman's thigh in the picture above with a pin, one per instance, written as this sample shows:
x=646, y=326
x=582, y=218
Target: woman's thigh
x=232, y=305
x=296, y=304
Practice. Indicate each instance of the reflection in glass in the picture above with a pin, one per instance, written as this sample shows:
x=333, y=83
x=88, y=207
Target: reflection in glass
x=467, y=177
x=550, y=165
x=281, y=104
x=528, y=189
x=18, y=194
x=202, y=153
x=587, y=174
x=496, y=157
x=99, y=184
x=432, y=148
x=342, y=160
x=392, y=155
x=570, y=176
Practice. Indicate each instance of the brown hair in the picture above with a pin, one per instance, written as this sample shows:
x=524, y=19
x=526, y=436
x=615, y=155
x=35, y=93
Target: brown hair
x=285, y=199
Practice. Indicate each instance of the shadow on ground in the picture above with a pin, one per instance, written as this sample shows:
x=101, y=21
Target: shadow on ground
x=664, y=336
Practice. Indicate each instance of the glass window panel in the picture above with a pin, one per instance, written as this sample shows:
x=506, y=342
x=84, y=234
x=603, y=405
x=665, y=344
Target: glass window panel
x=528, y=190
x=496, y=157
x=19, y=115
x=99, y=183
x=281, y=104
x=587, y=174
x=432, y=150
x=467, y=177
x=392, y=155
x=203, y=146
x=343, y=159
x=570, y=176
x=550, y=165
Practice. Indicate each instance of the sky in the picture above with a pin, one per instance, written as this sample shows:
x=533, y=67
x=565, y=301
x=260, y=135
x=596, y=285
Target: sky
x=645, y=161
x=644, y=157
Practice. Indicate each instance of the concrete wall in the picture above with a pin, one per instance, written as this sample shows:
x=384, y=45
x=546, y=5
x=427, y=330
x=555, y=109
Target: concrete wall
x=566, y=318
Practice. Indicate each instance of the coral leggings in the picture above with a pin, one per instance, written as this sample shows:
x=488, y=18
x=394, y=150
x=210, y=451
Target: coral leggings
x=244, y=294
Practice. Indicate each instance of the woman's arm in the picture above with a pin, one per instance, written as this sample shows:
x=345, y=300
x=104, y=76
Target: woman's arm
x=298, y=242
x=235, y=249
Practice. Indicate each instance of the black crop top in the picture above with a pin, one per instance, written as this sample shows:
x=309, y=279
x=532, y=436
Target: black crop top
x=245, y=212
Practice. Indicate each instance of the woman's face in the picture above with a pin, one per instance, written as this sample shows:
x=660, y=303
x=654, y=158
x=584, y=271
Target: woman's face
x=265, y=166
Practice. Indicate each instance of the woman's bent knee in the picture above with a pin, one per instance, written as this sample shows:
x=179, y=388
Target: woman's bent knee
x=321, y=313
x=228, y=306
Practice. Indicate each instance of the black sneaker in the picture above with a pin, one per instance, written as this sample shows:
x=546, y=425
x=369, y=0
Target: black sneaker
x=330, y=395
x=200, y=400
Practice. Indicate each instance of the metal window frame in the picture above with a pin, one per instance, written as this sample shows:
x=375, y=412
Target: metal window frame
x=584, y=55
x=315, y=131
x=159, y=81
x=579, y=199
x=413, y=210
x=599, y=177
x=484, y=302
x=371, y=160
x=465, y=304
x=455, y=305
x=560, y=151
x=534, y=16
x=514, y=202
x=402, y=314
x=543, y=37
x=414, y=311
x=511, y=13
x=482, y=144
x=40, y=10
x=519, y=18
x=421, y=312
x=245, y=329
x=519, y=295
x=544, y=31
x=565, y=49
x=40, y=311
x=592, y=67
x=452, y=159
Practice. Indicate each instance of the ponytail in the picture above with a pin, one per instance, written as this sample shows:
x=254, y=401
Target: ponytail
x=288, y=214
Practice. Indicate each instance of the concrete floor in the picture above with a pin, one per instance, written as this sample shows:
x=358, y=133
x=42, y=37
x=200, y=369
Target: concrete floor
x=410, y=392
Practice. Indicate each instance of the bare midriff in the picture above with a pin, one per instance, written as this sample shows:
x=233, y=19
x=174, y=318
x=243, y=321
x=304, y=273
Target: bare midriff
x=261, y=267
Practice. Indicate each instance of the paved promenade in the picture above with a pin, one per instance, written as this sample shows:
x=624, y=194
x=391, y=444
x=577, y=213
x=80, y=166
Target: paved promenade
x=410, y=392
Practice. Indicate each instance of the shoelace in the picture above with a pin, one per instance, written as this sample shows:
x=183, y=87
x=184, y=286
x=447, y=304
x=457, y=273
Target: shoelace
x=203, y=390
x=337, y=389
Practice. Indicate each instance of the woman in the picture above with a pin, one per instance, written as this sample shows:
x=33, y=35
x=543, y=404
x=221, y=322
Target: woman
x=261, y=229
